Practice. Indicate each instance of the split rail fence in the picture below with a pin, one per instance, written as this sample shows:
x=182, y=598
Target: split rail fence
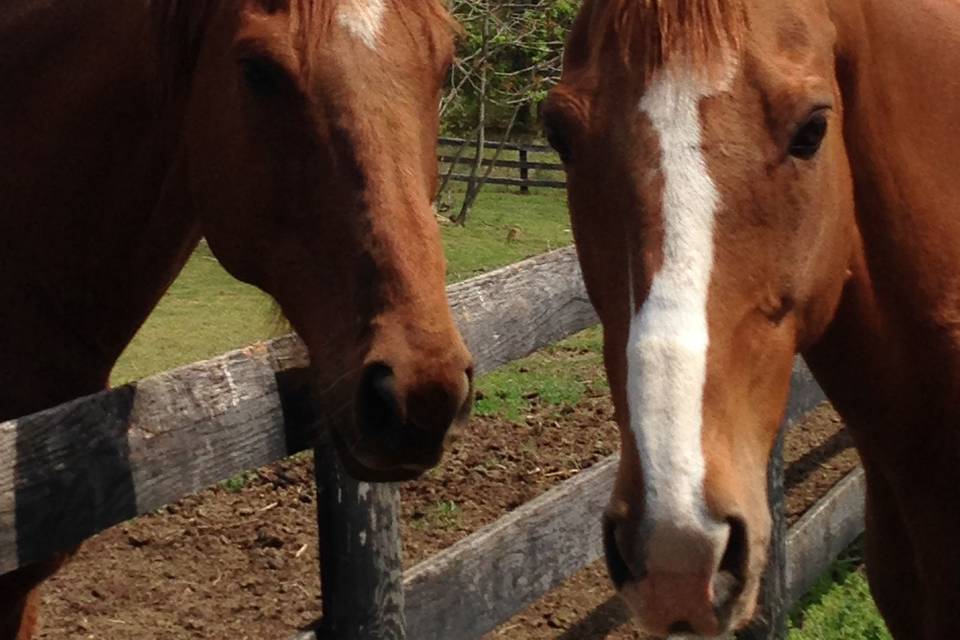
x=76, y=469
x=522, y=163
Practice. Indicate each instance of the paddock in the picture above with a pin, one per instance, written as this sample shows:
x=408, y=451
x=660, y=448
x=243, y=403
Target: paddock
x=103, y=460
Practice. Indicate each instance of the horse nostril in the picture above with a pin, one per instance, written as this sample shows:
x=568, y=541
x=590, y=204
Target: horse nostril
x=377, y=405
x=617, y=567
x=681, y=627
x=734, y=559
x=730, y=578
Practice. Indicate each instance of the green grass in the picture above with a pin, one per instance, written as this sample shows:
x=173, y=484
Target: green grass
x=503, y=228
x=839, y=607
x=205, y=313
x=556, y=376
x=445, y=514
x=238, y=482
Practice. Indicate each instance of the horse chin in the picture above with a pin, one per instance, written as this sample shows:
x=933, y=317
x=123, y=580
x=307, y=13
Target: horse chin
x=722, y=627
x=368, y=467
x=735, y=602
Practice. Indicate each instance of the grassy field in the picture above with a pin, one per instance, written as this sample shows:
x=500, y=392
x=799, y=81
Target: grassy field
x=506, y=227
x=206, y=312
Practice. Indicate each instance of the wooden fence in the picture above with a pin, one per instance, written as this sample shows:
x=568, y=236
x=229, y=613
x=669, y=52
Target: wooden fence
x=76, y=469
x=521, y=162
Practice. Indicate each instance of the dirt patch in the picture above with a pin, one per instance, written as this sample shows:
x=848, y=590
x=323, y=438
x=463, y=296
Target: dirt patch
x=817, y=453
x=241, y=562
x=499, y=466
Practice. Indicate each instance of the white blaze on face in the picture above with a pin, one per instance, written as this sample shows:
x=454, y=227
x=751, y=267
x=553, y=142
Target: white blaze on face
x=667, y=347
x=363, y=19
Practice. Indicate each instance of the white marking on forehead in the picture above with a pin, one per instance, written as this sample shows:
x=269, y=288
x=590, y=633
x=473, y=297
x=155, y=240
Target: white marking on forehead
x=364, y=19
x=667, y=347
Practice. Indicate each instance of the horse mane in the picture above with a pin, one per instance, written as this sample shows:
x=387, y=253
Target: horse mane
x=651, y=33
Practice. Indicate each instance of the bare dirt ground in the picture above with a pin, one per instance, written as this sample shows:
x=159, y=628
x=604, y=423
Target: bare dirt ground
x=241, y=562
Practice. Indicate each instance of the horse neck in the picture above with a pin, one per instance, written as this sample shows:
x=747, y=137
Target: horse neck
x=895, y=343
x=95, y=221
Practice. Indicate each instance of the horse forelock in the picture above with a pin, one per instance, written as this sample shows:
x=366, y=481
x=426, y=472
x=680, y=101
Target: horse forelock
x=647, y=35
x=179, y=25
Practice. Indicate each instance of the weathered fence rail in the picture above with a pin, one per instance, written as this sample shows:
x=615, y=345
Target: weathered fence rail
x=71, y=471
x=522, y=163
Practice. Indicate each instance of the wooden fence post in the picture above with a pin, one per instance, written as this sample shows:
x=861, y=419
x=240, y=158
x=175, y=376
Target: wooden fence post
x=524, y=171
x=770, y=621
x=361, y=566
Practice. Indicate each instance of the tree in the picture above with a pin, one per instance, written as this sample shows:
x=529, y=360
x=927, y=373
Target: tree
x=509, y=57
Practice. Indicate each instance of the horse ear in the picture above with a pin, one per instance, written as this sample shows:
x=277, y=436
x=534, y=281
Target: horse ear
x=576, y=53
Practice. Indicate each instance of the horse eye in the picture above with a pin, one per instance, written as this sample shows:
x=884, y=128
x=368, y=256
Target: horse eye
x=558, y=141
x=807, y=140
x=264, y=77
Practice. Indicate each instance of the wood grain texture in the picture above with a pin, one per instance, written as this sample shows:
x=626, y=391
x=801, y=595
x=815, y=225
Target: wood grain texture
x=71, y=471
x=514, y=311
x=361, y=555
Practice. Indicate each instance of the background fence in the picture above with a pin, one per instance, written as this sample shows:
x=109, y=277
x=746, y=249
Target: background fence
x=514, y=159
x=76, y=469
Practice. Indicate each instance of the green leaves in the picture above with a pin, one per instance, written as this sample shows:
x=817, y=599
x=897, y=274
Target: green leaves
x=521, y=60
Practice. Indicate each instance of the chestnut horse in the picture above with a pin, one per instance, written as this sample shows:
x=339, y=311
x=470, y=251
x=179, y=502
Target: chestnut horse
x=297, y=136
x=749, y=180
